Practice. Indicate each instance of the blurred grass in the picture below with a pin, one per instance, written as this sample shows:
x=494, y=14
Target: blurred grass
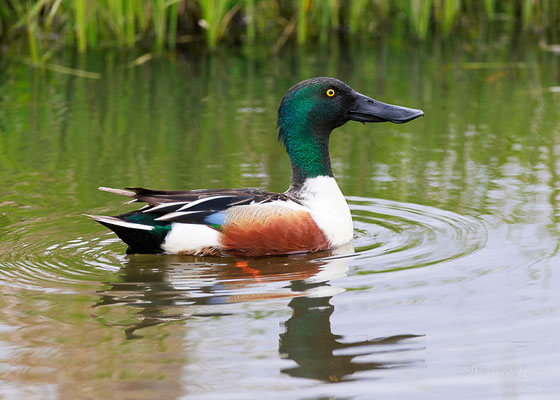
x=157, y=24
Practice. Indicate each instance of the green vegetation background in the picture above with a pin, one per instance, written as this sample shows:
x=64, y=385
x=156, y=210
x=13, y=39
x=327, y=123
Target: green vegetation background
x=38, y=28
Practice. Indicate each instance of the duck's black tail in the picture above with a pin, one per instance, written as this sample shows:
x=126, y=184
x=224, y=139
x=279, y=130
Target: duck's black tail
x=140, y=237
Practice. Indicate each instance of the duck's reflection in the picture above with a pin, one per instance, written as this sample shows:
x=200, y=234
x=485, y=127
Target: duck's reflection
x=171, y=288
x=308, y=340
x=168, y=288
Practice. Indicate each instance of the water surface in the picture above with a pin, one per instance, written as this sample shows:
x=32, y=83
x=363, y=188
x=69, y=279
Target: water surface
x=451, y=290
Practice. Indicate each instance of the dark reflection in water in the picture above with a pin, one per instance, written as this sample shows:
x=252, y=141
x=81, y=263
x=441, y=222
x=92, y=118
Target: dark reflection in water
x=173, y=288
x=309, y=341
x=147, y=288
x=169, y=288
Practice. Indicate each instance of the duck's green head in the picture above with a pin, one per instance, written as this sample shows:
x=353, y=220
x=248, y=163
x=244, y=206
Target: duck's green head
x=311, y=109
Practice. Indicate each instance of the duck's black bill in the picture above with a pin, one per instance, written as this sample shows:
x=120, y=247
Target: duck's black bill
x=370, y=110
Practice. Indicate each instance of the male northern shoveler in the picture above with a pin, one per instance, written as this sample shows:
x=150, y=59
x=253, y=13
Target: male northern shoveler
x=311, y=216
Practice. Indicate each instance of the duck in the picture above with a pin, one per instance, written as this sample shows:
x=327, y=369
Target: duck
x=311, y=216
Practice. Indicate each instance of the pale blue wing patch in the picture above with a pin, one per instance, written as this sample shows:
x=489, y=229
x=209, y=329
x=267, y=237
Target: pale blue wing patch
x=216, y=219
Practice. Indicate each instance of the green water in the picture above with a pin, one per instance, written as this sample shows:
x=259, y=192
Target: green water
x=452, y=291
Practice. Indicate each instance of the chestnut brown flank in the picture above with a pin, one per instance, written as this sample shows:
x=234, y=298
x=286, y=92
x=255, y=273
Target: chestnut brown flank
x=293, y=232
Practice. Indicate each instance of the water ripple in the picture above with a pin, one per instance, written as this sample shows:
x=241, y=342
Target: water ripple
x=392, y=235
x=389, y=235
x=38, y=254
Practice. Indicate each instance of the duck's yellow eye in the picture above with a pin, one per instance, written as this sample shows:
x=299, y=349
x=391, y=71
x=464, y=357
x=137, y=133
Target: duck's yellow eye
x=330, y=92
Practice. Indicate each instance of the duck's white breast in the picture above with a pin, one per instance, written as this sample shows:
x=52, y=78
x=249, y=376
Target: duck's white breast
x=328, y=208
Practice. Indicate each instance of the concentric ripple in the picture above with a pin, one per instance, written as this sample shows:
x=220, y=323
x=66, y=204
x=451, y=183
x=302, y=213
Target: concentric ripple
x=53, y=254
x=392, y=235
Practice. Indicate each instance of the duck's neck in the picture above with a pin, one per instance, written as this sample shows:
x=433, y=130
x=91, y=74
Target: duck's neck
x=308, y=149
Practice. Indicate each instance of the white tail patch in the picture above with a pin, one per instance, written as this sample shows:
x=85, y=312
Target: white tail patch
x=122, y=192
x=120, y=222
x=190, y=238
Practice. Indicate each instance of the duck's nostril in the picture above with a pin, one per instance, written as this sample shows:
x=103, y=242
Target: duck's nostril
x=370, y=101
